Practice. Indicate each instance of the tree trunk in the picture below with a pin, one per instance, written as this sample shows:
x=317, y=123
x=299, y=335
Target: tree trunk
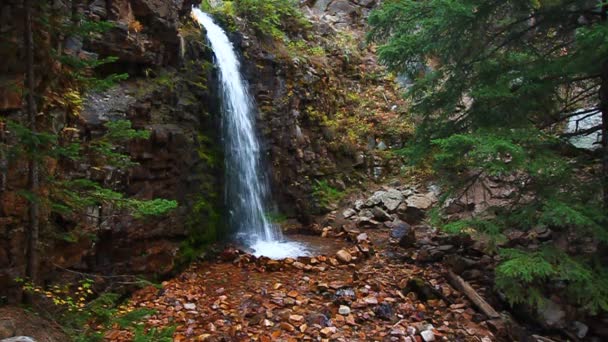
x=604, y=109
x=34, y=224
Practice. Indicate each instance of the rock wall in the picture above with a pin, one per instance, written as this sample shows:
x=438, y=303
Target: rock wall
x=301, y=98
x=167, y=94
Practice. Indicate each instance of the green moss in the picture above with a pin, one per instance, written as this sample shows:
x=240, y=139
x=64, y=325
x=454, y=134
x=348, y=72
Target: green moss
x=325, y=194
x=205, y=218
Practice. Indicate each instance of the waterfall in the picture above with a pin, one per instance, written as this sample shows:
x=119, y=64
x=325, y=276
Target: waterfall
x=246, y=185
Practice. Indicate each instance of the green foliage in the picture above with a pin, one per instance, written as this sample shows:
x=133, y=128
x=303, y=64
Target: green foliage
x=523, y=276
x=85, y=316
x=325, y=194
x=71, y=195
x=276, y=217
x=273, y=18
x=494, y=84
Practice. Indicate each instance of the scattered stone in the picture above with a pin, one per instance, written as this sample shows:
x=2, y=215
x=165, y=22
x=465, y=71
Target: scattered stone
x=344, y=256
x=344, y=296
x=287, y=327
x=391, y=199
x=381, y=215
x=365, y=222
x=427, y=335
x=359, y=204
x=399, y=229
x=362, y=237
x=190, y=306
x=552, y=314
x=349, y=213
x=366, y=214
x=328, y=331
x=299, y=265
x=344, y=310
x=398, y=331
x=411, y=330
x=384, y=311
x=370, y=300
x=18, y=339
x=296, y=318
x=374, y=200
x=580, y=329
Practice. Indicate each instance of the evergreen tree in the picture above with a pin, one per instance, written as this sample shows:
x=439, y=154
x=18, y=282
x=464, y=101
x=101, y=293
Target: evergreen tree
x=495, y=83
x=61, y=79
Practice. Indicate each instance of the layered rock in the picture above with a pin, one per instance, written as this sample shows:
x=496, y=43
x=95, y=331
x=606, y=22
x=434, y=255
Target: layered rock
x=180, y=161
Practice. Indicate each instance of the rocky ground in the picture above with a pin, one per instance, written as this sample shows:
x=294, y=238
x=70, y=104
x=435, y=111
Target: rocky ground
x=352, y=296
x=372, y=289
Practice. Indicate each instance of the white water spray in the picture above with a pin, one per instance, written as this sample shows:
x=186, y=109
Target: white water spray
x=246, y=186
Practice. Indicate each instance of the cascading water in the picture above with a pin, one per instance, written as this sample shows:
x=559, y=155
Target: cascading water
x=246, y=186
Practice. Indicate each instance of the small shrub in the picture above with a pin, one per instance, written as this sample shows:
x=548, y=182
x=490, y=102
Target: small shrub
x=325, y=194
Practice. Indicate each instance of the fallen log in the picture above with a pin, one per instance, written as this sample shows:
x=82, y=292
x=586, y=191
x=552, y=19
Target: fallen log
x=460, y=284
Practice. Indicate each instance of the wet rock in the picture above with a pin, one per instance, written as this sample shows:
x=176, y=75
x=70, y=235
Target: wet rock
x=18, y=339
x=344, y=256
x=344, y=310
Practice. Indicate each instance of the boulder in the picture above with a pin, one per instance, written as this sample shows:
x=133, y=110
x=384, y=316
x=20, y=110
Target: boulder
x=391, y=199
x=344, y=310
x=365, y=222
x=551, y=315
x=374, y=199
x=344, y=256
x=400, y=229
x=381, y=215
x=419, y=201
x=348, y=213
x=414, y=208
x=18, y=339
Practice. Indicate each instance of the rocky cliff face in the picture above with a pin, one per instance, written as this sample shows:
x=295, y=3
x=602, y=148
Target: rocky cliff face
x=327, y=113
x=166, y=94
